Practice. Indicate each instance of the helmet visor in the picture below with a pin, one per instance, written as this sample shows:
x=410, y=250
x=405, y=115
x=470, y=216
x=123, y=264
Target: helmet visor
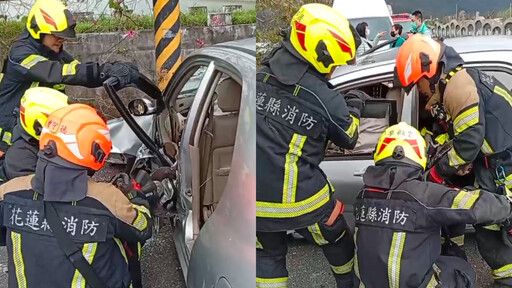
x=68, y=33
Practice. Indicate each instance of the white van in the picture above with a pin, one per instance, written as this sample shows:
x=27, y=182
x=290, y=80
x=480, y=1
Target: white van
x=374, y=12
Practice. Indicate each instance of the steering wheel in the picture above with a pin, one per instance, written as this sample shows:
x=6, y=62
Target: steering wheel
x=378, y=46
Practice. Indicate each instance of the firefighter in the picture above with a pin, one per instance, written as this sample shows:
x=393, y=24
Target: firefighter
x=297, y=112
x=399, y=218
x=37, y=58
x=93, y=218
x=478, y=108
x=36, y=105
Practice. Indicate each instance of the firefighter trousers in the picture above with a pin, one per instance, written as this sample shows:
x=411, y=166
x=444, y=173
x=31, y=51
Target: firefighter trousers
x=336, y=242
x=490, y=245
x=455, y=272
x=132, y=250
x=489, y=238
x=452, y=241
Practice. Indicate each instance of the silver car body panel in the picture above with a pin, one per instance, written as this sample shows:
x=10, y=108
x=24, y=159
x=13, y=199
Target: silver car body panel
x=124, y=141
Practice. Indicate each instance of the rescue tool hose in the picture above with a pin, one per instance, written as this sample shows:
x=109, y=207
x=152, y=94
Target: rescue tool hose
x=109, y=85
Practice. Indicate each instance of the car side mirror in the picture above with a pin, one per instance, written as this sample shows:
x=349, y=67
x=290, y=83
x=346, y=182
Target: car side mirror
x=141, y=107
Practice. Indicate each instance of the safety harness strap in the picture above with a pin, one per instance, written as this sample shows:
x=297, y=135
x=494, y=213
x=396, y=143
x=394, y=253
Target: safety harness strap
x=67, y=245
x=443, y=82
x=339, y=208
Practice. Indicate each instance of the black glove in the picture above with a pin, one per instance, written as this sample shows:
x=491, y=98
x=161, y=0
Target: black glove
x=125, y=72
x=130, y=189
x=355, y=100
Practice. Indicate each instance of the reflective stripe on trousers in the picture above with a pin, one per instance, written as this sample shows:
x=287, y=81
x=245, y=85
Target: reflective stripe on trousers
x=317, y=234
x=345, y=268
x=503, y=272
x=258, y=244
x=271, y=282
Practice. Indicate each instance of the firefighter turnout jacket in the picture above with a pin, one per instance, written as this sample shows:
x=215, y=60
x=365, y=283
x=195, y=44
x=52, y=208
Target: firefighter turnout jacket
x=481, y=109
x=97, y=224
x=30, y=64
x=398, y=222
x=21, y=158
x=297, y=112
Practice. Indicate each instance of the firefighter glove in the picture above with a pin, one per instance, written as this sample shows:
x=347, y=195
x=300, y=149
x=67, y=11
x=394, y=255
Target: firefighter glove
x=125, y=72
x=355, y=100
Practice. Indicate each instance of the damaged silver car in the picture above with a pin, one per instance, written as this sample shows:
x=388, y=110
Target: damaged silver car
x=197, y=141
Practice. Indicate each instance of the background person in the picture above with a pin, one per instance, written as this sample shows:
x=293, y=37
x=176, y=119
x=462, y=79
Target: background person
x=364, y=32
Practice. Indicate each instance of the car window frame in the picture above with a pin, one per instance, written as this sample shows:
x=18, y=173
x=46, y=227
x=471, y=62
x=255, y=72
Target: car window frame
x=355, y=83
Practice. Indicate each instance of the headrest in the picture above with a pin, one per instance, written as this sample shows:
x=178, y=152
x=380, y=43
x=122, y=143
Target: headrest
x=229, y=94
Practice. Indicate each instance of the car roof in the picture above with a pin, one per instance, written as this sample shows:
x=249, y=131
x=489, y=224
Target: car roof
x=461, y=44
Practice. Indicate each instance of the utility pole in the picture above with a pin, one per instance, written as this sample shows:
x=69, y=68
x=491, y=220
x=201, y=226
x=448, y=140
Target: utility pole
x=167, y=39
x=456, y=10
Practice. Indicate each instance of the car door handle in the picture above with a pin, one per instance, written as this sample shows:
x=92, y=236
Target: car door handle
x=360, y=173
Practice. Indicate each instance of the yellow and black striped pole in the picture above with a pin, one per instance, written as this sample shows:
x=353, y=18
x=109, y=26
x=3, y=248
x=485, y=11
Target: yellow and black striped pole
x=167, y=39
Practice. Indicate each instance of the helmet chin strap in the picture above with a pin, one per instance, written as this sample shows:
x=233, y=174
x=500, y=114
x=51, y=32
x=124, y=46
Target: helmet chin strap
x=434, y=80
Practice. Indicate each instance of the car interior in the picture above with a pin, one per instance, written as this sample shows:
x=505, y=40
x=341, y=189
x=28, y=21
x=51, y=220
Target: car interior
x=216, y=134
x=376, y=118
x=217, y=143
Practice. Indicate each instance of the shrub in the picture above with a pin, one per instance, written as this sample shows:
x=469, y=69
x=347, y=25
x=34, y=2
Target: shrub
x=244, y=17
x=193, y=19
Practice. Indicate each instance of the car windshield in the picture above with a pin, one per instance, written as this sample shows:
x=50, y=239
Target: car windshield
x=376, y=25
x=407, y=26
